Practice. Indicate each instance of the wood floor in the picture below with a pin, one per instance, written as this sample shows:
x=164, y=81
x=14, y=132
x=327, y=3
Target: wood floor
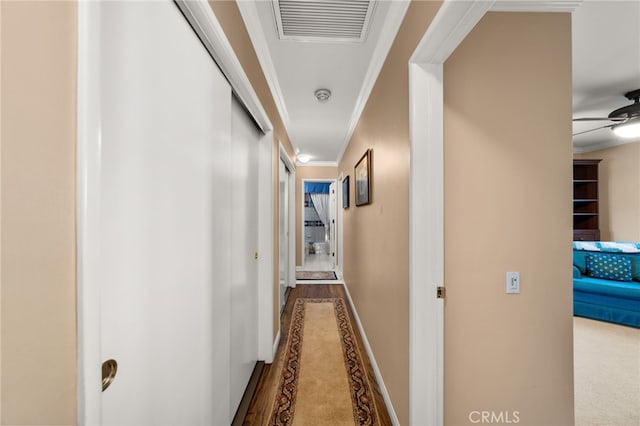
x=262, y=401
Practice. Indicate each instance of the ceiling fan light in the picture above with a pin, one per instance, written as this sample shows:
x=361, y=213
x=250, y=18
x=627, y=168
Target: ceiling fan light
x=630, y=129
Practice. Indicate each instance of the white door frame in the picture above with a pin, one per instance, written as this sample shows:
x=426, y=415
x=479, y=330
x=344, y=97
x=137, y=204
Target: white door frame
x=301, y=203
x=333, y=223
x=426, y=213
x=204, y=22
x=291, y=270
x=452, y=23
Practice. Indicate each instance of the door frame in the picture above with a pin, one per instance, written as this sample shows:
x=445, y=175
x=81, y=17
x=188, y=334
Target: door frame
x=290, y=279
x=301, y=204
x=450, y=26
x=88, y=196
x=339, y=225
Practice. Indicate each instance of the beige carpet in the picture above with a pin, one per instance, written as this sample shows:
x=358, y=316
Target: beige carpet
x=322, y=378
x=607, y=374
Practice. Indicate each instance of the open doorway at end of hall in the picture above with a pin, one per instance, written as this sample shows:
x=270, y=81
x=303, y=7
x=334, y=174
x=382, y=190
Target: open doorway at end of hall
x=319, y=225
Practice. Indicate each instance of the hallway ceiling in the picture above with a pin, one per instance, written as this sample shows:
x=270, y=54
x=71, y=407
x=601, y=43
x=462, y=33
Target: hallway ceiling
x=606, y=65
x=347, y=65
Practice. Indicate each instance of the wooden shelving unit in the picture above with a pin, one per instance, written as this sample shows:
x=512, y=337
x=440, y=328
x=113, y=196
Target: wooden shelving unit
x=586, y=225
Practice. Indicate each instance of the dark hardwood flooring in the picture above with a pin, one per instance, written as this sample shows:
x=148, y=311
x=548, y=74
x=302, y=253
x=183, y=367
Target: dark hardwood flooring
x=260, y=406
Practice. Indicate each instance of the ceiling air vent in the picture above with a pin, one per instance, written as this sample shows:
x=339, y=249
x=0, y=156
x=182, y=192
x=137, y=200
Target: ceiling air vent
x=323, y=20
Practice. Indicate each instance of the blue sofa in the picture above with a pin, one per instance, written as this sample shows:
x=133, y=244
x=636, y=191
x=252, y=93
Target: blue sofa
x=606, y=281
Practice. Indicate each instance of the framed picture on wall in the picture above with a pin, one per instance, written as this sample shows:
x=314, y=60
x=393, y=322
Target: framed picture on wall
x=345, y=193
x=363, y=179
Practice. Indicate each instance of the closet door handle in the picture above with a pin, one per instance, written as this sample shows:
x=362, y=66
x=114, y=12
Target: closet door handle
x=109, y=370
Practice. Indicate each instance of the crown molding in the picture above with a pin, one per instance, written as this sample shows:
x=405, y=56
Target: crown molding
x=393, y=20
x=536, y=6
x=456, y=19
x=317, y=164
x=452, y=23
x=251, y=19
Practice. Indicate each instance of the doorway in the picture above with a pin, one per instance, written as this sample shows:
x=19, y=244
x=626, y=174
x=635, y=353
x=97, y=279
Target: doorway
x=319, y=225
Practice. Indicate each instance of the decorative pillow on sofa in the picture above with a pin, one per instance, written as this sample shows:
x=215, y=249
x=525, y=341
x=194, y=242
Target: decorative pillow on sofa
x=609, y=267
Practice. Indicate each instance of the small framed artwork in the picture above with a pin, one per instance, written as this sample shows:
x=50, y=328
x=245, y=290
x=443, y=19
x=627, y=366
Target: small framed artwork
x=345, y=193
x=363, y=179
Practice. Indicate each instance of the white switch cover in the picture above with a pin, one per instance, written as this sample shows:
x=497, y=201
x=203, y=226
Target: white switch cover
x=513, y=282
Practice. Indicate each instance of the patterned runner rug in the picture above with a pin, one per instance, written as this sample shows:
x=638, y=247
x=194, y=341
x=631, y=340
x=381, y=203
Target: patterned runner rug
x=322, y=379
x=316, y=275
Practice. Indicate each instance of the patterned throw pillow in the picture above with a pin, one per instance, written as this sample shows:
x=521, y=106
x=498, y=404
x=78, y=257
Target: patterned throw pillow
x=609, y=267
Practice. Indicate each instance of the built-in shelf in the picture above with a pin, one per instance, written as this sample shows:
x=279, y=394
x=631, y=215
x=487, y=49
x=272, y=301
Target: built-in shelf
x=585, y=200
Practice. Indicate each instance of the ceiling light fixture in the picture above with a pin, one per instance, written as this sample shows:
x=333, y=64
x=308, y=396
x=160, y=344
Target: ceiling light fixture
x=322, y=95
x=303, y=158
x=628, y=129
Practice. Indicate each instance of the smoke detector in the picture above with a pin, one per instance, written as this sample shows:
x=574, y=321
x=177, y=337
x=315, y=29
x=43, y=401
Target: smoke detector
x=322, y=95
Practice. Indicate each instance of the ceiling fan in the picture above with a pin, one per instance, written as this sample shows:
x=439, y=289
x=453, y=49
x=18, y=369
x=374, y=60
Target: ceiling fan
x=626, y=120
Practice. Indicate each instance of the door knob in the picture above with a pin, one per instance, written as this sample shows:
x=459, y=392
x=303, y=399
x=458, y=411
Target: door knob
x=109, y=370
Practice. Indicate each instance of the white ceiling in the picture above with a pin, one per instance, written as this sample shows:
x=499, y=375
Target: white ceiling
x=295, y=69
x=606, y=65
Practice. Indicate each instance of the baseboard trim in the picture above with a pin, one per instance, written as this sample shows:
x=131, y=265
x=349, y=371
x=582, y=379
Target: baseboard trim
x=372, y=359
x=243, y=407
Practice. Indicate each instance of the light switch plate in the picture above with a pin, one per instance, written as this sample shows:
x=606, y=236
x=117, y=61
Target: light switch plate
x=513, y=282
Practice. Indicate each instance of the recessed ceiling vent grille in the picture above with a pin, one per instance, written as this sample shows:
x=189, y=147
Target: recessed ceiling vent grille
x=323, y=20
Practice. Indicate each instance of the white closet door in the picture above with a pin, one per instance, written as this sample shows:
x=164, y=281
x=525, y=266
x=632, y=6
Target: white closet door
x=165, y=182
x=244, y=245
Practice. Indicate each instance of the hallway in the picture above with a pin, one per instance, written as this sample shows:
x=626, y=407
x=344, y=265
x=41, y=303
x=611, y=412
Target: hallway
x=127, y=201
x=262, y=402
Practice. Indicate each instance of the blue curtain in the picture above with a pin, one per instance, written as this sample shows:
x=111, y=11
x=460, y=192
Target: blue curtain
x=316, y=187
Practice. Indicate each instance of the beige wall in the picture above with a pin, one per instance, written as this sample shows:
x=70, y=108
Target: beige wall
x=376, y=236
x=619, y=191
x=307, y=172
x=38, y=213
x=507, y=92
x=231, y=21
